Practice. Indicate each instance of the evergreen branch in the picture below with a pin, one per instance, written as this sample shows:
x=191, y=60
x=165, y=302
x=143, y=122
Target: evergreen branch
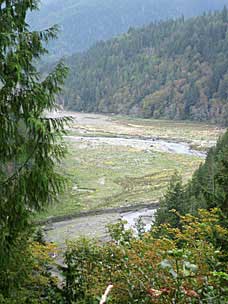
x=12, y=177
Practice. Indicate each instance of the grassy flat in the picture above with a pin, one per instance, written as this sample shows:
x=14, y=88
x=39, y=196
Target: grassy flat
x=104, y=175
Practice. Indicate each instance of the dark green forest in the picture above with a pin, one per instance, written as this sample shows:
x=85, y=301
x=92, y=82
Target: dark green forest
x=177, y=69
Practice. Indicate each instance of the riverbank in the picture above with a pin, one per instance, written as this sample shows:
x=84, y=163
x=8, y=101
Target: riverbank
x=121, y=210
x=93, y=224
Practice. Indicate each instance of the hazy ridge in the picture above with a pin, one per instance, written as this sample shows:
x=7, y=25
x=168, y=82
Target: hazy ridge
x=84, y=22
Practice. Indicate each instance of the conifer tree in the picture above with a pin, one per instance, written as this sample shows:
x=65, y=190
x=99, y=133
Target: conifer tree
x=173, y=200
x=30, y=142
x=221, y=177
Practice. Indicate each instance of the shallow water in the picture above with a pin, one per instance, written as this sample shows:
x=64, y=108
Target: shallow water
x=142, y=144
x=132, y=218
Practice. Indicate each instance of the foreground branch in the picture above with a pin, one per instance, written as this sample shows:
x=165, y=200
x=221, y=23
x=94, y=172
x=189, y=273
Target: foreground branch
x=105, y=295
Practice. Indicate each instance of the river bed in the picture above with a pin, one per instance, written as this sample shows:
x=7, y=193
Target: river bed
x=95, y=226
x=153, y=144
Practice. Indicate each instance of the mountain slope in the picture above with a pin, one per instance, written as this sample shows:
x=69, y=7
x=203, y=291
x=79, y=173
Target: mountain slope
x=175, y=69
x=84, y=22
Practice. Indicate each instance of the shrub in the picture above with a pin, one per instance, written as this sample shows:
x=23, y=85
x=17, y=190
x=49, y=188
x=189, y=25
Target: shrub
x=179, y=266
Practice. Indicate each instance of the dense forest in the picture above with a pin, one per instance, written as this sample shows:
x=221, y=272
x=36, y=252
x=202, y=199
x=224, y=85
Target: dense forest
x=84, y=22
x=176, y=69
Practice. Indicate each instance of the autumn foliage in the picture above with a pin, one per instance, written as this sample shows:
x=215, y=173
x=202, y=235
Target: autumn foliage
x=166, y=265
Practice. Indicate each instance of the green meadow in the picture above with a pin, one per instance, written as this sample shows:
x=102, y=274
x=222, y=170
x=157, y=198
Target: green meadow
x=102, y=175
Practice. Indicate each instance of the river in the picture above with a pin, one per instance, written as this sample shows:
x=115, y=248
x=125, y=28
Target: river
x=151, y=144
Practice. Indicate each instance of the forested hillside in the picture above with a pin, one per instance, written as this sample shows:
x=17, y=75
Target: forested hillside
x=84, y=22
x=176, y=69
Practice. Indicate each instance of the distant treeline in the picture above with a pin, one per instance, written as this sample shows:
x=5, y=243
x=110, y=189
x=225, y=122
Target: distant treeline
x=177, y=69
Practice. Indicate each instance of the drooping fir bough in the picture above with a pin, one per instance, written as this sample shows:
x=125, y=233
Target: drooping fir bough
x=30, y=143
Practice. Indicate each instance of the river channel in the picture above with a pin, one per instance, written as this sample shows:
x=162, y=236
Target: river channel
x=151, y=144
x=96, y=225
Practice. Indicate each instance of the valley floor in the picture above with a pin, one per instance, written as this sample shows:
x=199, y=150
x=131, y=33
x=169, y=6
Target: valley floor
x=118, y=161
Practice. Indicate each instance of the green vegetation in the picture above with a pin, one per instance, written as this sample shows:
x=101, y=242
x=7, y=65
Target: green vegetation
x=110, y=176
x=38, y=286
x=30, y=143
x=179, y=266
x=175, y=69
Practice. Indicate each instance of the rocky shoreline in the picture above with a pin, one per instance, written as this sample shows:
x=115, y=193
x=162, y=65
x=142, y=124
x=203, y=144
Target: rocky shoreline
x=93, y=224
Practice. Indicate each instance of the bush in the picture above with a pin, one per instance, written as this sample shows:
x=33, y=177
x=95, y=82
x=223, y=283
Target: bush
x=40, y=286
x=179, y=266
